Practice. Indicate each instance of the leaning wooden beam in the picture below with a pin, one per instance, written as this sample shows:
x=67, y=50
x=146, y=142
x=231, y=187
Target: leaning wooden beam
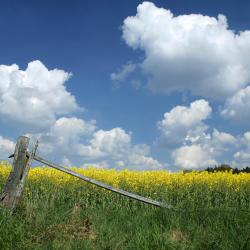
x=9, y=194
x=103, y=185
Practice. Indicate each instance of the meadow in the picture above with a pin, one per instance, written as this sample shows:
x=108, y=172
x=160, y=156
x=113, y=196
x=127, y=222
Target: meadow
x=58, y=211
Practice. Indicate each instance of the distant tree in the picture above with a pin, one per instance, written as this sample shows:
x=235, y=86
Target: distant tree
x=246, y=170
x=224, y=168
x=236, y=171
x=185, y=171
x=227, y=168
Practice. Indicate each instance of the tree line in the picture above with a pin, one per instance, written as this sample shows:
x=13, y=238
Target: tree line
x=228, y=168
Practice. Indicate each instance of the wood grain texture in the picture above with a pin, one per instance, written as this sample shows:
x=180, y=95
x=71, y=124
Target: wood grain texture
x=25, y=173
x=9, y=194
x=103, y=185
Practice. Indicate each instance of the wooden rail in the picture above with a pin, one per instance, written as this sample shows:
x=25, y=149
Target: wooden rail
x=102, y=185
x=22, y=163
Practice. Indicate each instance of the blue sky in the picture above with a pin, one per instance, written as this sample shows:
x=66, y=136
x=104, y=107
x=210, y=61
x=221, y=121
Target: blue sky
x=121, y=76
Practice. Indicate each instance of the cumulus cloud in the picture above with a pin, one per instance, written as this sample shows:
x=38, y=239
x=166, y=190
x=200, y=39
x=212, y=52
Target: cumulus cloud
x=184, y=131
x=7, y=147
x=237, y=107
x=124, y=72
x=205, y=151
x=115, y=146
x=74, y=138
x=194, y=156
x=70, y=129
x=66, y=162
x=242, y=157
x=115, y=142
x=194, y=52
x=36, y=96
x=222, y=139
x=142, y=162
x=64, y=135
x=124, y=75
x=184, y=122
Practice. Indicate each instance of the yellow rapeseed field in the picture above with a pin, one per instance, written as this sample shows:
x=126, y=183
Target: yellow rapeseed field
x=221, y=189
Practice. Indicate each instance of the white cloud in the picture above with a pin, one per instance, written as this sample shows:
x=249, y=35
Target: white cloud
x=242, y=157
x=101, y=164
x=73, y=138
x=191, y=52
x=114, y=143
x=35, y=96
x=206, y=150
x=194, y=156
x=184, y=130
x=66, y=162
x=7, y=147
x=136, y=84
x=64, y=135
x=137, y=161
x=123, y=73
x=222, y=139
x=70, y=129
x=116, y=149
x=237, y=107
x=184, y=122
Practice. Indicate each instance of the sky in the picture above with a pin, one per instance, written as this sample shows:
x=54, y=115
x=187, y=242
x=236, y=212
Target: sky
x=127, y=84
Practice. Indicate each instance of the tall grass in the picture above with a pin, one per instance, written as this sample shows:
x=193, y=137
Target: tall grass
x=58, y=211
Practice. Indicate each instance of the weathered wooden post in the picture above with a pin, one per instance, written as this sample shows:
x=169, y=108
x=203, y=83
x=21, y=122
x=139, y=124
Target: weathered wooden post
x=11, y=193
x=21, y=165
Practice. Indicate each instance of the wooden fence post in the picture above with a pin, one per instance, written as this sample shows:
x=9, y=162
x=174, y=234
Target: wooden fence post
x=25, y=173
x=10, y=194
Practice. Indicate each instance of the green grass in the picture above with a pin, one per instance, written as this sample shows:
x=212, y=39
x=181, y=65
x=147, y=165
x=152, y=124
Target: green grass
x=89, y=218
